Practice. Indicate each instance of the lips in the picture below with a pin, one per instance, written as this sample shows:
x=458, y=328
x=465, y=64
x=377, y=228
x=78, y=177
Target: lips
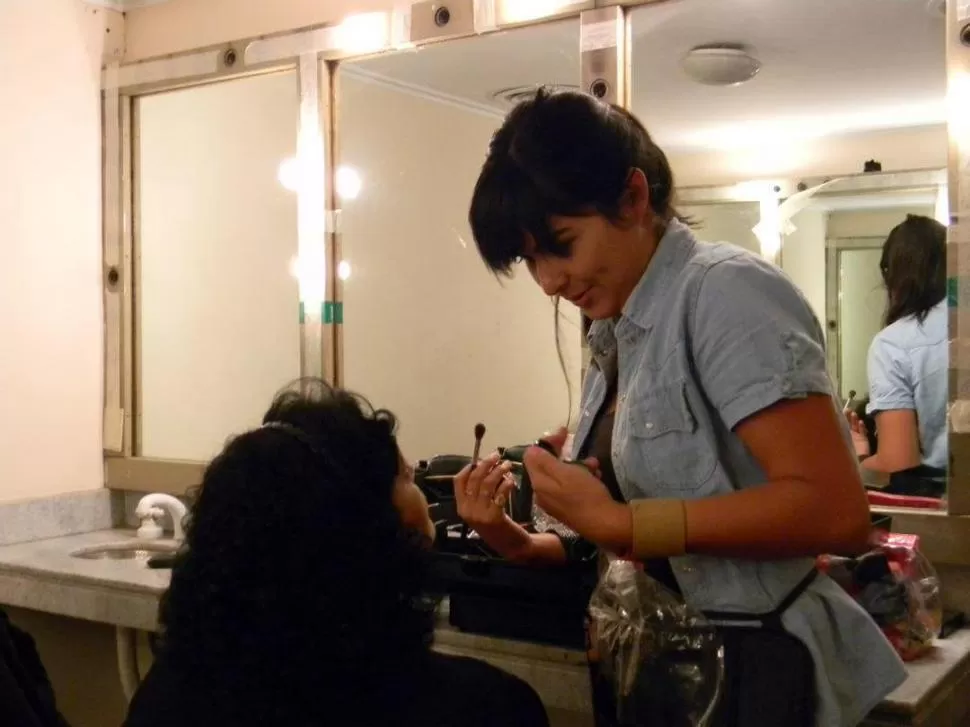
x=581, y=299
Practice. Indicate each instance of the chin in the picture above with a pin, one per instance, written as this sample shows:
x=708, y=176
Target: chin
x=599, y=312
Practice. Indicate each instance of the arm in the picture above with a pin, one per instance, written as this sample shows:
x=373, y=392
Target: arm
x=894, y=408
x=760, y=357
x=812, y=502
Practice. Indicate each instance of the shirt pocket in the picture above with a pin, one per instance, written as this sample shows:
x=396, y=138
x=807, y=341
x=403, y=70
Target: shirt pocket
x=674, y=456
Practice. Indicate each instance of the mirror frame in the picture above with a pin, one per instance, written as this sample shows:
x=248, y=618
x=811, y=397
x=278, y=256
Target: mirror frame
x=605, y=65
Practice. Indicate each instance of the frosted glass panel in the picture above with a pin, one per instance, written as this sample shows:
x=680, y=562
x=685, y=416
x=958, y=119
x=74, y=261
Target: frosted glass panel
x=218, y=308
x=725, y=222
x=862, y=305
x=428, y=331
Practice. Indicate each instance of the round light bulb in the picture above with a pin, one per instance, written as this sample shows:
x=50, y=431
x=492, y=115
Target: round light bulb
x=343, y=270
x=289, y=173
x=348, y=183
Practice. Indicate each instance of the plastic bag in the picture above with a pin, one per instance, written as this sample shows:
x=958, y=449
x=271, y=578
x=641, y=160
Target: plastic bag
x=896, y=585
x=653, y=660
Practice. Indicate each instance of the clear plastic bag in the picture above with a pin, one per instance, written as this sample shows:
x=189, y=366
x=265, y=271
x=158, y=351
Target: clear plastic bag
x=897, y=585
x=653, y=660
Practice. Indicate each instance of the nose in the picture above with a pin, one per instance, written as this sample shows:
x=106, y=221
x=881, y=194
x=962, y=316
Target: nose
x=550, y=276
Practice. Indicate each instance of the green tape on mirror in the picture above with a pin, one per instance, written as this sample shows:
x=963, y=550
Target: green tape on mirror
x=330, y=312
x=333, y=312
x=953, y=292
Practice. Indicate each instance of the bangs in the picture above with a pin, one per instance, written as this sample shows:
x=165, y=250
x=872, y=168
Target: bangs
x=507, y=209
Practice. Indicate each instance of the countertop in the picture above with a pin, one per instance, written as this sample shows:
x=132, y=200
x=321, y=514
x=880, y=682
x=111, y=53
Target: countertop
x=43, y=575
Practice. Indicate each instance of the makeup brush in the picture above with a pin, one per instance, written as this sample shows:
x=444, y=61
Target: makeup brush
x=479, y=436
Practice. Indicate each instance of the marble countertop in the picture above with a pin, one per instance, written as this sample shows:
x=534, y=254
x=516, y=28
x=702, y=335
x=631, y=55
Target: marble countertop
x=43, y=575
x=36, y=575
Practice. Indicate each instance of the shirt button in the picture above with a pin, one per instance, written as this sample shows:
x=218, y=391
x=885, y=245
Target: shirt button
x=649, y=425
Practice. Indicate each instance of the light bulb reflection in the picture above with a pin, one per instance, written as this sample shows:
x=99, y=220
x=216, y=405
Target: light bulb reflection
x=289, y=173
x=343, y=270
x=348, y=179
x=348, y=183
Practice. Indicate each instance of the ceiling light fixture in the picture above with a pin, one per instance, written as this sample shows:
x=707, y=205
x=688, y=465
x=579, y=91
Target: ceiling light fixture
x=720, y=64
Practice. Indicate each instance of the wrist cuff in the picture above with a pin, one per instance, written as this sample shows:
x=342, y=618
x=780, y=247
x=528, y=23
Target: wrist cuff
x=659, y=528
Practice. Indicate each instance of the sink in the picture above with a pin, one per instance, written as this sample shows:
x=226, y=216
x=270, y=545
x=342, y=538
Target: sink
x=128, y=550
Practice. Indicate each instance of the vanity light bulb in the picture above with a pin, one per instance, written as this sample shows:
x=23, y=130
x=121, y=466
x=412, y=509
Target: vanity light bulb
x=289, y=173
x=348, y=183
x=343, y=270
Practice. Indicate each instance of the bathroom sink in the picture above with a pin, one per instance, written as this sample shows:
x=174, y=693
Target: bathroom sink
x=129, y=550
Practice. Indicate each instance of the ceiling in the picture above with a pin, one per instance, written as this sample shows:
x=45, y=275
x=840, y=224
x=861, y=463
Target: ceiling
x=829, y=67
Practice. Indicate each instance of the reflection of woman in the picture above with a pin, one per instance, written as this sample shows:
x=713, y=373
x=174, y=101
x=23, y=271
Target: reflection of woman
x=298, y=598
x=908, y=359
x=707, y=404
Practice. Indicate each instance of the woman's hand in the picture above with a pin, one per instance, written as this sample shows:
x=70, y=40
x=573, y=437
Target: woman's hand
x=577, y=498
x=481, y=492
x=860, y=438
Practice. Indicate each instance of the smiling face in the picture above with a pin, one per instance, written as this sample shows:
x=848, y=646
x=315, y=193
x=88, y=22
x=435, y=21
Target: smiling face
x=597, y=261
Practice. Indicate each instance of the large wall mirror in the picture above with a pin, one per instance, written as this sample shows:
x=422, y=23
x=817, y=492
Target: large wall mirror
x=427, y=331
x=802, y=99
x=217, y=306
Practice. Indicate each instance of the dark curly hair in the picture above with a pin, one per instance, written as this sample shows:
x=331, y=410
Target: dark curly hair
x=298, y=592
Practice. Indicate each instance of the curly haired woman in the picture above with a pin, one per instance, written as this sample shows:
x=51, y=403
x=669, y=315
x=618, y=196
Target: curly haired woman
x=299, y=597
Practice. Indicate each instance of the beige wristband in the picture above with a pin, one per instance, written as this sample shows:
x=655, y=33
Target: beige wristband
x=659, y=528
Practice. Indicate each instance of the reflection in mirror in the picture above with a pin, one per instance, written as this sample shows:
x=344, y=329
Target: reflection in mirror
x=734, y=221
x=428, y=331
x=217, y=304
x=810, y=92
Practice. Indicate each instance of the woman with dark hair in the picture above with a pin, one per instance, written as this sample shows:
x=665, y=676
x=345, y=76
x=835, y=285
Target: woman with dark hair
x=298, y=599
x=908, y=361
x=727, y=466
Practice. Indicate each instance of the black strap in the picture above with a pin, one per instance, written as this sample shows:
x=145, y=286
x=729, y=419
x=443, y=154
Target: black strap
x=772, y=619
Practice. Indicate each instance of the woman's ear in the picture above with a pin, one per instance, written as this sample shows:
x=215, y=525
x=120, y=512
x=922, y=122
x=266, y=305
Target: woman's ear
x=635, y=203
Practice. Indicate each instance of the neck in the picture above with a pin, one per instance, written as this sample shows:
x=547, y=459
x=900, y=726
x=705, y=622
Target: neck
x=644, y=253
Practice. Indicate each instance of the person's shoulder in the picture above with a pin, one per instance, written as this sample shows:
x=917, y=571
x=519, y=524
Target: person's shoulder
x=485, y=694
x=722, y=262
x=723, y=274
x=909, y=333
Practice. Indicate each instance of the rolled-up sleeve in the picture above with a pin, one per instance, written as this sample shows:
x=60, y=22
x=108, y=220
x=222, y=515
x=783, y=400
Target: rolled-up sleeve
x=755, y=339
x=889, y=377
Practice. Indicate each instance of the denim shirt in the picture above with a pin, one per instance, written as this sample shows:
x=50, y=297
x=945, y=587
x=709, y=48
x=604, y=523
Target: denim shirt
x=711, y=335
x=908, y=369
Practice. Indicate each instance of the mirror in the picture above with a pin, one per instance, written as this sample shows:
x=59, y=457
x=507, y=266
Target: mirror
x=717, y=221
x=803, y=93
x=217, y=307
x=428, y=331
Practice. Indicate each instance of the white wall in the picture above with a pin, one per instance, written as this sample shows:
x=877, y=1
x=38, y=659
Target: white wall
x=50, y=238
x=177, y=25
x=803, y=258
x=897, y=149
x=428, y=331
x=218, y=304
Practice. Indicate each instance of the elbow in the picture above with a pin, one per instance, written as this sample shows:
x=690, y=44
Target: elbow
x=849, y=528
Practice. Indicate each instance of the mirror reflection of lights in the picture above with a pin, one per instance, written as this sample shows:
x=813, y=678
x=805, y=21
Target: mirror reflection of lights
x=343, y=270
x=348, y=180
x=289, y=174
x=348, y=183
